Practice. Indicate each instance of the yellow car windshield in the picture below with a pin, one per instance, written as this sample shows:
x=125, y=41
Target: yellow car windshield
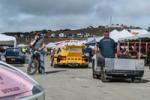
x=74, y=49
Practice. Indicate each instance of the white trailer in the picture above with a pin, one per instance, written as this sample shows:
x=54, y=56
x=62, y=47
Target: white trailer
x=118, y=68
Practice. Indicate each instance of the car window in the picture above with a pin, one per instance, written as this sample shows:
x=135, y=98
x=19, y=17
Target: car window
x=74, y=49
x=12, y=52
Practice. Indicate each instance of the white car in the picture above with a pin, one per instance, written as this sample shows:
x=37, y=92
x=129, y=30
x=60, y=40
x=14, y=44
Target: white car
x=16, y=85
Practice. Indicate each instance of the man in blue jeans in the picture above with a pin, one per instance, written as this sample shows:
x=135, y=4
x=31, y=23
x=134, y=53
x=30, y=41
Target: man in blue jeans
x=106, y=49
x=38, y=44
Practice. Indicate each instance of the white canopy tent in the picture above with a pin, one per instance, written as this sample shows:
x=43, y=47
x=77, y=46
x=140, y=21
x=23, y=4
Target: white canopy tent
x=144, y=35
x=136, y=37
x=99, y=38
x=96, y=39
x=124, y=34
x=50, y=45
x=138, y=31
x=6, y=40
x=63, y=43
x=22, y=45
x=116, y=35
x=55, y=45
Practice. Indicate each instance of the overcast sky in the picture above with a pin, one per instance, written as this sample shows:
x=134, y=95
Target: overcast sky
x=27, y=15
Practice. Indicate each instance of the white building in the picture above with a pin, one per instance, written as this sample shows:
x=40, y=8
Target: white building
x=62, y=35
x=80, y=35
x=53, y=35
x=87, y=35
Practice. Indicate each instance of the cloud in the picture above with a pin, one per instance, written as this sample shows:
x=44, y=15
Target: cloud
x=50, y=7
x=132, y=12
x=123, y=8
x=27, y=15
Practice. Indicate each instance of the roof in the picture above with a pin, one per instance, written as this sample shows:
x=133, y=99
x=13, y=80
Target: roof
x=6, y=38
x=136, y=37
x=116, y=35
x=138, y=31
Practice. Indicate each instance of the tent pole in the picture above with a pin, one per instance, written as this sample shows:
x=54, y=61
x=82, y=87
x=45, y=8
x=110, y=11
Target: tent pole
x=118, y=48
x=146, y=50
x=128, y=45
x=139, y=49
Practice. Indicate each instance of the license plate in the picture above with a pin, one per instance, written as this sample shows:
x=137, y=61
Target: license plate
x=12, y=59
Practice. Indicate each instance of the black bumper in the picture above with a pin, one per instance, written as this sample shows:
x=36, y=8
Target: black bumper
x=17, y=61
x=124, y=73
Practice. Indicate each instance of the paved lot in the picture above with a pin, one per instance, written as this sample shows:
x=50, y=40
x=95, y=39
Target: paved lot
x=78, y=84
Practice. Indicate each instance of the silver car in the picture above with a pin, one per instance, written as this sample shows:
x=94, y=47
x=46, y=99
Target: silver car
x=16, y=85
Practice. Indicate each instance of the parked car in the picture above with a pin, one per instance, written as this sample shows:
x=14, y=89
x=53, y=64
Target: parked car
x=71, y=55
x=16, y=85
x=14, y=55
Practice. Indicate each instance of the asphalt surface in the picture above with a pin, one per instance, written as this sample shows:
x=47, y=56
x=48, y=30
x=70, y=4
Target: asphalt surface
x=78, y=84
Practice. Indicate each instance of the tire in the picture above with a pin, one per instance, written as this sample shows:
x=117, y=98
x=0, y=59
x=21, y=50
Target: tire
x=95, y=76
x=22, y=62
x=33, y=67
x=55, y=66
x=85, y=66
x=132, y=79
x=139, y=79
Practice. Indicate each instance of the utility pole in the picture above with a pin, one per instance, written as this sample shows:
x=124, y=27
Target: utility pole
x=110, y=20
x=110, y=23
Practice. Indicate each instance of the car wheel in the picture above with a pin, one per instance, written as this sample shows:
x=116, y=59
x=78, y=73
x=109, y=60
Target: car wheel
x=132, y=79
x=33, y=67
x=55, y=66
x=85, y=66
x=95, y=76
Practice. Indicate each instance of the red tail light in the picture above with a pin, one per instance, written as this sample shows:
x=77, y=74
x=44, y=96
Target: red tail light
x=62, y=57
x=84, y=58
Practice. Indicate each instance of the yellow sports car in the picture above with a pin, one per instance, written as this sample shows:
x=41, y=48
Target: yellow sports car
x=71, y=55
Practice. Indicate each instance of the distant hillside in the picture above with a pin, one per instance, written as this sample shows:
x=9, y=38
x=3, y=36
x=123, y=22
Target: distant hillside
x=25, y=37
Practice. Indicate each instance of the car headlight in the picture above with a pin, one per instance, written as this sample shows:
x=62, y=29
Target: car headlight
x=37, y=89
x=37, y=94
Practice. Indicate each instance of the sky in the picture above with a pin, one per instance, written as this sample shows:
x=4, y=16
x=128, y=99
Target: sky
x=28, y=15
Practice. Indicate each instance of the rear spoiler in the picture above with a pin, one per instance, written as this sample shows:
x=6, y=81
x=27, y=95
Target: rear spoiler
x=75, y=46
